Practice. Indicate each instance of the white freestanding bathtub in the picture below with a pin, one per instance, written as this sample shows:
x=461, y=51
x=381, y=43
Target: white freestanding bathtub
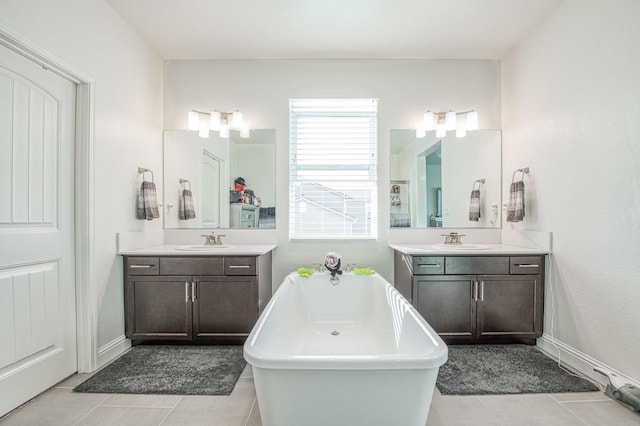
x=352, y=354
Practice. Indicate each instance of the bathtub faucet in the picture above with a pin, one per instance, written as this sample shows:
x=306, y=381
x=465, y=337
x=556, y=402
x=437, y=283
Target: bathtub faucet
x=332, y=263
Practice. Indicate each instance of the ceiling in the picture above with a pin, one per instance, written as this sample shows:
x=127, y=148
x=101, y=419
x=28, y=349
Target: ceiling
x=270, y=29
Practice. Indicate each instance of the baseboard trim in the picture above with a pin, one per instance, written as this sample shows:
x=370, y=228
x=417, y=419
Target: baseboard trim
x=112, y=350
x=578, y=361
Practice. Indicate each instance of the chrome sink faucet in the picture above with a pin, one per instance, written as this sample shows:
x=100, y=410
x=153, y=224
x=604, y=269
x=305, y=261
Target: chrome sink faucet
x=212, y=240
x=453, y=238
x=209, y=240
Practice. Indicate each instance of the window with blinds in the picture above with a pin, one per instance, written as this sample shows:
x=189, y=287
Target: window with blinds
x=333, y=168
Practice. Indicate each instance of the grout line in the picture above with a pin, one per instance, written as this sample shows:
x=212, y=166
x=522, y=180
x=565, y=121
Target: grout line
x=170, y=411
x=572, y=413
x=91, y=411
x=253, y=407
x=137, y=406
x=582, y=400
x=596, y=401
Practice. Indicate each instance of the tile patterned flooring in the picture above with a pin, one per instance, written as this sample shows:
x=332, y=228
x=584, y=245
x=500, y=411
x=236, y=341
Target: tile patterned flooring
x=61, y=406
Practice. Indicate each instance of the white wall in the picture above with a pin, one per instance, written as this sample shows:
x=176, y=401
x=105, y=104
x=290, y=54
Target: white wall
x=90, y=38
x=261, y=89
x=571, y=112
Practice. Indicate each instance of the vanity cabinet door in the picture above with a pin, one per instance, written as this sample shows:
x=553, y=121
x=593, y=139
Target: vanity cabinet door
x=158, y=308
x=447, y=303
x=225, y=306
x=510, y=306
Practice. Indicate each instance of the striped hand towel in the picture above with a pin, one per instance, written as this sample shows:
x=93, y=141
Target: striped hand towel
x=187, y=211
x=474, y=206
x=147, y=202
x=515, y=210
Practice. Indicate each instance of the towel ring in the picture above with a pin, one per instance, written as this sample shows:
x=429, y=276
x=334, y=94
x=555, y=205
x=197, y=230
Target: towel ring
x=524, y=170
x=185, y=181
x=480, y=182
x=142, y=171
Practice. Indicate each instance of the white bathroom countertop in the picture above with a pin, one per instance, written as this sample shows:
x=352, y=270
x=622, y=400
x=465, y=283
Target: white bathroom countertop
x=226, y=250
x=474, y=249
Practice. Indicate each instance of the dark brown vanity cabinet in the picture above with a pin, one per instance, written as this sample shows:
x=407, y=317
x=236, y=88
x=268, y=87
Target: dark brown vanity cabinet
x=476, y=298
x=190, y=298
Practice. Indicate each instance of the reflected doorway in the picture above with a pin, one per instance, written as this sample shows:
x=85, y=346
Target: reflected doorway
x=211, y=171
x=433, y=187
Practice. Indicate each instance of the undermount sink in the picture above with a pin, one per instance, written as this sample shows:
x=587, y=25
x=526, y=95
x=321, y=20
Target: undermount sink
x=202, y=247
x=461, y=246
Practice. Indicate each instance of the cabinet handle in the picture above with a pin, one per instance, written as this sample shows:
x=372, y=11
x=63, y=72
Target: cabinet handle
x=482, y=291
x=428, y=265
x=239, y=266
x=140, y=266
x=475, y=291
x=193, y=292
x=186, y=291
x=527, y=265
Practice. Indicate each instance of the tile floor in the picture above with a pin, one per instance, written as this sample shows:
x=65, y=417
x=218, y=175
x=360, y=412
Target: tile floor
x=61, y=406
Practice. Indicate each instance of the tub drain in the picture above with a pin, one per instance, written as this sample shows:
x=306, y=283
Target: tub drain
x=335, y=333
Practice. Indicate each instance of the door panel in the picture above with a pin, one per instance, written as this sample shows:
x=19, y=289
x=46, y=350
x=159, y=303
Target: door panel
x=446, y=302
x=225, y=305
x=37, y=268
x=508, y=305
x=158, y=307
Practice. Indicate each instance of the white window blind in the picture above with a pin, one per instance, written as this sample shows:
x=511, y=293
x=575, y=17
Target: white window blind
x=333, y=168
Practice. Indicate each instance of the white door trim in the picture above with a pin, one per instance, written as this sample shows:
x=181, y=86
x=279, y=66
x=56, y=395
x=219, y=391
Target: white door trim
x=86, y=327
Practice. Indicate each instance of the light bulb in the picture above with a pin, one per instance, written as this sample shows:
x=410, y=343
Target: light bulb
x=429, y=121
x=224, y=130
x=461, y=126
x=450, y=120
x=193, y=121
x=472, y=120
x=236, y=120
x=441, y=131
x=214, y=124
x=203, y=125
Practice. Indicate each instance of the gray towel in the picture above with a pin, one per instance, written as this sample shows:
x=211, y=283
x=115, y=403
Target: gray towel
x=474, y=206
x=515, y=210
x=147, y=202
x=187, y=211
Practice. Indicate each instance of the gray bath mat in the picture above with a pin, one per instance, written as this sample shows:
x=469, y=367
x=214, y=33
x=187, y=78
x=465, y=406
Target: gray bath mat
x=169, y=369
x=504, y=369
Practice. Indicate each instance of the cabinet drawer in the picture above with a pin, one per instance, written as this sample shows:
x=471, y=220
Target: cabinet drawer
x=426, y=265
x=248, y=224
x=240, y=265
x=526, y=265
x=208, y=265
x=141, y=265
x=477, y=265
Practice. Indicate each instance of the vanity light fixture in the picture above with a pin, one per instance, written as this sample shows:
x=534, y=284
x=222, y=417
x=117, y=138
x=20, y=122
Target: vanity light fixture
x=219, y=121
x=441, y=122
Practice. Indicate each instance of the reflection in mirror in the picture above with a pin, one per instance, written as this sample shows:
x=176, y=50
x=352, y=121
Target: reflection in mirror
x=435, y=181
x=200, y=176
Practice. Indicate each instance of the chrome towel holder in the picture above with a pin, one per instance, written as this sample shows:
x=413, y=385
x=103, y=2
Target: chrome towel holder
x=185, y=182
x=143, y=170
x=523, y=170
x=480, y=182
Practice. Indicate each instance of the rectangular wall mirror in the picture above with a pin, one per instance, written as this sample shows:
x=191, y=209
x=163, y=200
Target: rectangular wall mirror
x=432, y=179
x=209, y=167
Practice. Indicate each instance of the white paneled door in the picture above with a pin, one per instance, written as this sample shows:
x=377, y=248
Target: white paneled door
x=37, y=279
